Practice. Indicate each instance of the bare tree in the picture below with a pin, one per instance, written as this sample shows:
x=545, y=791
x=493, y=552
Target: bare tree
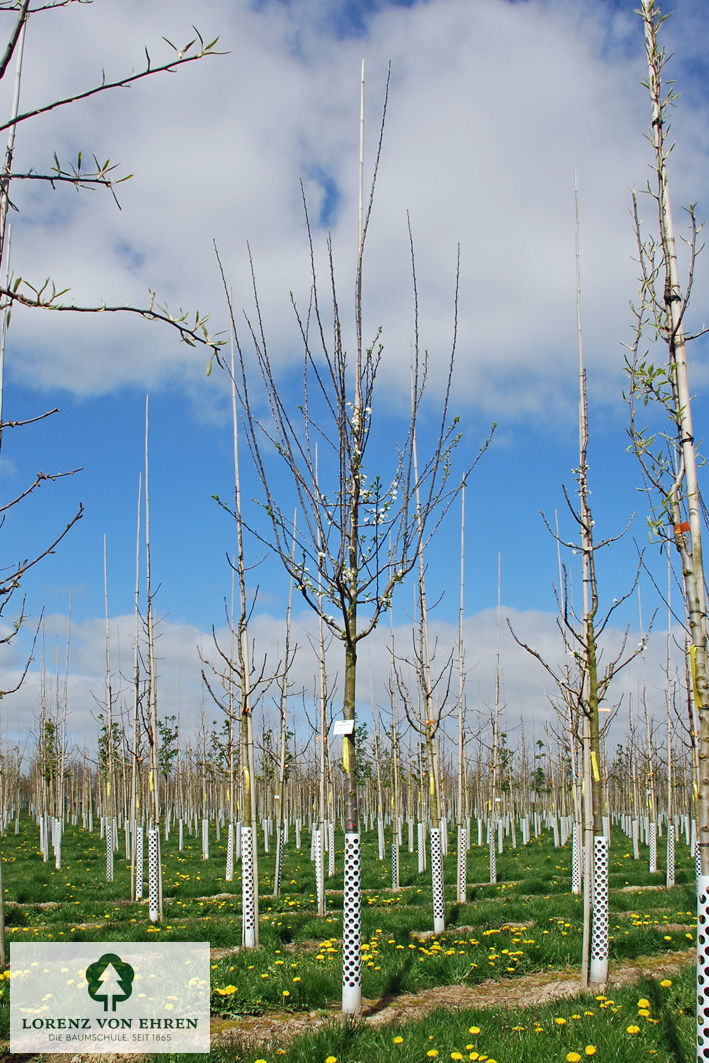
x=587, y=686
x=359, y=529
x=666, y=448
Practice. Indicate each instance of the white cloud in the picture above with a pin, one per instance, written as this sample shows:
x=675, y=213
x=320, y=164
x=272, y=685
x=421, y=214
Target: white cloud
x=492, y=106
x=525, y=687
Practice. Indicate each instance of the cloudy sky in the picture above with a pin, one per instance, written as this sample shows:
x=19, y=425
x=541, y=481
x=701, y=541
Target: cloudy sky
x=493, y=105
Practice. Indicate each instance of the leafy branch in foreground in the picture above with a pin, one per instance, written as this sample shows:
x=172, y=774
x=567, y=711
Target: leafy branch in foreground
x=191, y=331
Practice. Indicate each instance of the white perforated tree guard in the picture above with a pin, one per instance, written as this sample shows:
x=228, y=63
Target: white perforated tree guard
x=670, y=875
x=230, y=853
x=57, y=844
x=351, y=929
x=237, y=842
x=180, y=835
x=109, y=852
x=205, y=839
x=297, y=833
x=421, y=846
x=138, y=863
x=480, y=831
x=555, y=829
x=462, y=866
x=395, y=863
x=493, y=862
x=439, y=913
x=702, y=968
x=154, y=874
x=381, y=846
x=444, y=835
x=598, y=972
x=278, y=872
x=500, y=835
x=653, y=847
x=576, y=858
x=248, y=901
x=44, y=837
x=319, y=869
x=313, y=843
x=636, y=840
x=331, y=849
x=410, y=826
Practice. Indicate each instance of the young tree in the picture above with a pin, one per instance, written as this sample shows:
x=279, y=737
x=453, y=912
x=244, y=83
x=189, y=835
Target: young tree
x=667, y=448
x=359, y=531
x=586, y=688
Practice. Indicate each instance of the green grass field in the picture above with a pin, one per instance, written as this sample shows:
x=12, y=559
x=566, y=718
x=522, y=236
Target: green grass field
x=529, y=922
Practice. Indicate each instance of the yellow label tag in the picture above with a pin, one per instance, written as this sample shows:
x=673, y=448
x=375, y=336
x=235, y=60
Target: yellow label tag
x=108, y=789
x=431, y=785
x=594, y=766
x=247, y=780
x=346, y=754
x=693, y=669
x=150, y=780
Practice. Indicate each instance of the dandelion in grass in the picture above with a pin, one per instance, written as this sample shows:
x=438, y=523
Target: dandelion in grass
x=331, y=1059
x=456, y=1055
x=666, y=983
x=473, y=1029
x=398, y=1040
x=573, y=1057
x=432, y=1053
x=643, y=1003
x=560, y=1021
x=590, y=1050
x=632, y=1029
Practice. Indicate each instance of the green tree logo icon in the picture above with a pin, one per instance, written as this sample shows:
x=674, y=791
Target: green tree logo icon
x=110, y=980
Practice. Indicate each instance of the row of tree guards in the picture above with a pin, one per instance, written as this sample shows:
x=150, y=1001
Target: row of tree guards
x=201, y=792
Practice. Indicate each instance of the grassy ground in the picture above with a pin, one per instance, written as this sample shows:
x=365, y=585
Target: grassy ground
x=528, y=922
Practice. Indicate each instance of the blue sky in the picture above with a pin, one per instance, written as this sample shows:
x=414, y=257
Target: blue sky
x=492, y=107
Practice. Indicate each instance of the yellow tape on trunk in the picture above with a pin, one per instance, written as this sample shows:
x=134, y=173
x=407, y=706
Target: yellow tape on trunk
x=594, y=766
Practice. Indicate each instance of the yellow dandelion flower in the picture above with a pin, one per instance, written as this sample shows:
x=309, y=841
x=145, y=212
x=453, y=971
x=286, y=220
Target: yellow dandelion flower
x=643, y=1003
x=432, y=1053
x=573, y=1057
x=398, y=1040
x=632, y=1029
x=456, y=1055
x=666, y=983
x=560, y=1022
x=473, y=1029
x=590, y=1050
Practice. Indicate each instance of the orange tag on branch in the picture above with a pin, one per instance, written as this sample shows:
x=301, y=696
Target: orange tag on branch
x=680, y=528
